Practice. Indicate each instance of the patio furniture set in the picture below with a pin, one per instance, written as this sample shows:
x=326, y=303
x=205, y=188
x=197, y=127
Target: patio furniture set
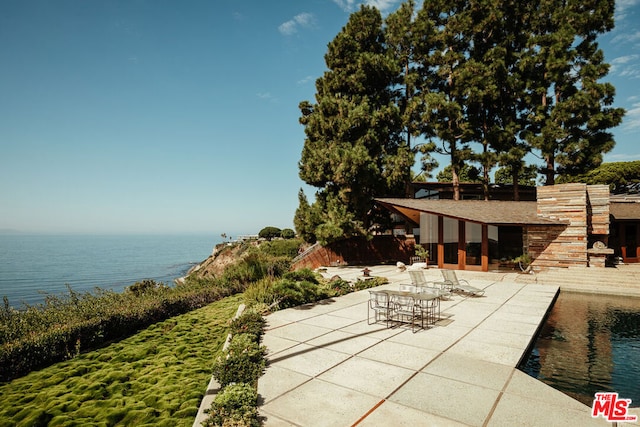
x=417, y=304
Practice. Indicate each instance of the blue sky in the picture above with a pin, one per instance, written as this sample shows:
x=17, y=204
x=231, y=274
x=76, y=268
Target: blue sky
x=155, y=116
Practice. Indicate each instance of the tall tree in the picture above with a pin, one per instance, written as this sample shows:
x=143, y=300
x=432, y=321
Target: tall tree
x=497, y=29
x=354, y=149
x=442, y=54
x=305, y=219
x=402, y=35
x=569, y=109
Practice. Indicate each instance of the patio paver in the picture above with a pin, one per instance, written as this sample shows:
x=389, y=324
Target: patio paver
x=462, y=371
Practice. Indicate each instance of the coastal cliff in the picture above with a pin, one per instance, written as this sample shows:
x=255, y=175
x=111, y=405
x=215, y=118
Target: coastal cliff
x=223, y=255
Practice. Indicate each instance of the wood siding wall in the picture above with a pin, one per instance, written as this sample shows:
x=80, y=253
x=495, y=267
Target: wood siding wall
x=565, y=247
x=598, y=210
x=360, y=251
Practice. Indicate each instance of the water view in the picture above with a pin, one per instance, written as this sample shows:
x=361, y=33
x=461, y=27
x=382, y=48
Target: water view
x=32, y=266
x=589, y=343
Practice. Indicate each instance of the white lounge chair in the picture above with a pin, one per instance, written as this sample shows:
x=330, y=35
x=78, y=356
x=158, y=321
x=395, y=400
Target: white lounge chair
x=419, y=281
x=452, y=282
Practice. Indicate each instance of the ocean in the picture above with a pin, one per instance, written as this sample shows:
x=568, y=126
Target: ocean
x=32, y=266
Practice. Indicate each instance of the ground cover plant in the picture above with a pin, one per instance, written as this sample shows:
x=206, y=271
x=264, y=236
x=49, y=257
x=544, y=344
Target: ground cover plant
x=66, y=325
x=155, y=377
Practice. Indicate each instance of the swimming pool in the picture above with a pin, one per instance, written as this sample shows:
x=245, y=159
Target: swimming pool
x=589, y=343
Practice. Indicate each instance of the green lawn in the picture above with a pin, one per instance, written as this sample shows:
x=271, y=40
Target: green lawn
x=156, y=377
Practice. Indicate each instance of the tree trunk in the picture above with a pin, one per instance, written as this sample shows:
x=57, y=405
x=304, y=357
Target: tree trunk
x=455, y=182
x=455, y=172
x=550, y=172
x=485, y=170
x=516, y=184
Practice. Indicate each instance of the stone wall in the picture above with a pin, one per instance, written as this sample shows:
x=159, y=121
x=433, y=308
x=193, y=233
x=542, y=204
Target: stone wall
x=566, y=247
x=598, y=210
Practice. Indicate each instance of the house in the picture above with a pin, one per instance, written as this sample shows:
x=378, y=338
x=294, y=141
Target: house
x=567, y=225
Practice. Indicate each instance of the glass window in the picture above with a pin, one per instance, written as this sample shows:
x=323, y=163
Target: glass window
x=510, y=242
x=450, y=229
x=494, y=251
x=473, y=237
x=429, y=235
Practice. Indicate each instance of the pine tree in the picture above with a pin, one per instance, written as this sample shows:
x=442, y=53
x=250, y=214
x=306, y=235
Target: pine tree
x=402, y=34
x=354, y=150
x=492, y=81
x=569, y=110
x=442, y=54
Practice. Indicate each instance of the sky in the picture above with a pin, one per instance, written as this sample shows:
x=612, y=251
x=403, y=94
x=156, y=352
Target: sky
x=157, y=116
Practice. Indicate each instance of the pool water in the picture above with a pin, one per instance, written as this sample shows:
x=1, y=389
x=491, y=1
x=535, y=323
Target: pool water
x=589, y=343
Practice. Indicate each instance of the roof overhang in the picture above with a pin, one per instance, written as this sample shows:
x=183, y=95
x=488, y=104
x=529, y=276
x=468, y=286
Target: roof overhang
x=491, y=212
x=625, y=210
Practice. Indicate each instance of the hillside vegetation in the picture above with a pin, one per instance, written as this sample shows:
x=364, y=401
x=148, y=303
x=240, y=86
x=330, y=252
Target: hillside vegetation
x=155, y=377
x=67, y=325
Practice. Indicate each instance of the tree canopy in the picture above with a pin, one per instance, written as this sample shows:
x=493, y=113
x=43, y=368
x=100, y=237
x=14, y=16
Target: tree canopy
x=466, y=173
x=353, y=149
x=269, y=232
x=488, y=83
x=622, y=177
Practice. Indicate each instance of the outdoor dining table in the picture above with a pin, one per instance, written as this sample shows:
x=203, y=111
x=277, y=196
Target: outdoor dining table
x=427, y=302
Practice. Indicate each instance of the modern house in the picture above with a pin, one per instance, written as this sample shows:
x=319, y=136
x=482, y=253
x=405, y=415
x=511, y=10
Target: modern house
x=567, y=225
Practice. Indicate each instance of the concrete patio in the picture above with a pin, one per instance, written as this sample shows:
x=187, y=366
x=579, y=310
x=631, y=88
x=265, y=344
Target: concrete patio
x=328, y=367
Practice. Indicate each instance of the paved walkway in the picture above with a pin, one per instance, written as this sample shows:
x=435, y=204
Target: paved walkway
x=328, y=367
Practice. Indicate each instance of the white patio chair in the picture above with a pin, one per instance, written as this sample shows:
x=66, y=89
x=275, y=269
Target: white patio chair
x=403, y=310
x=428, y=311
x=380, y=304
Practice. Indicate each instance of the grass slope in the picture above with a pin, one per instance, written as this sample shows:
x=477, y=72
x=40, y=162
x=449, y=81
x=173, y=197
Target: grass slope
x=156, y=377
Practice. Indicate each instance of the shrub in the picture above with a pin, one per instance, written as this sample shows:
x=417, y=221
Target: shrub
x=146, y=286
x=371, y=283
x=244, y=361
x=235, y=405
x=278, y=248
x=339, y=287
x=66, y=325
x=292, y=293
x=303, y=274
x=250, y=323
x=260, y=292
x=249, y=269
x=269, y=233
x=277, y=266
x=287, y=233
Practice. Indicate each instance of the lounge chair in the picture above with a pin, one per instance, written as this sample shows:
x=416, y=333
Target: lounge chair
x=452, y=282
x=420, y=282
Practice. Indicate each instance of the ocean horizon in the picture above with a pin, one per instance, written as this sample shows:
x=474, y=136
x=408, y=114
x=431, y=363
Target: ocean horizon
x=33, y=266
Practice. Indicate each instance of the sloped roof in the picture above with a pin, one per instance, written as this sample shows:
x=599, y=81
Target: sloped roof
x=492, y=212
x=625, y=210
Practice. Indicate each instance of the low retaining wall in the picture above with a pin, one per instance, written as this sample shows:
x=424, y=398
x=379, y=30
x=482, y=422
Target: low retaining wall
x=360, y=251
